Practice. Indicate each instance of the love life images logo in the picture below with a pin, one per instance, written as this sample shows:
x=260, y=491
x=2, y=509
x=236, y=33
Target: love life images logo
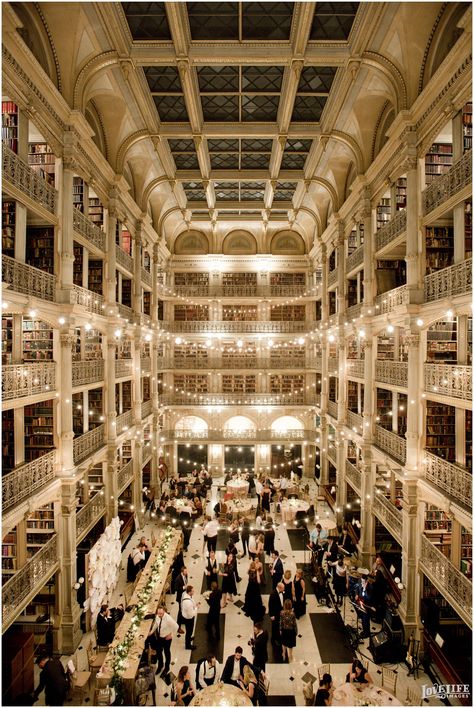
x=446, y=690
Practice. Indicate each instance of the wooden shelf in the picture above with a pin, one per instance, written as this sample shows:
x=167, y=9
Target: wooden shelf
x=42, y=160
x=8, y=228
x=438, y=161
x=10, y=125
x=40, y=247
x=440, y=430
x=39, y=429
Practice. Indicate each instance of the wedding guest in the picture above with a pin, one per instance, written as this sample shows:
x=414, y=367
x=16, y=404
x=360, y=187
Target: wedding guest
x=188, y=612
x=229, y=587
x=161, y=636
x=299, y=591
x=248, y=684
x=358, y=673
x=288, y=630
x=213, y=616
x=288, y=592
x=207, y=672
x=324, y=693
x=244, y=534
x=276, y=569
x=234, y=667
x=183, y=687
x=105, y=626
x=260, y=646
x=212, y=569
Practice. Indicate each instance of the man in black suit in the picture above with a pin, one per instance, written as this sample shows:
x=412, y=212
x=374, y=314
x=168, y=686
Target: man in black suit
x=275, y=606
x=277, y=569
x=53, y=680
x=213, y=616
x=259, y=644
x=234, y=667
x=180, y=585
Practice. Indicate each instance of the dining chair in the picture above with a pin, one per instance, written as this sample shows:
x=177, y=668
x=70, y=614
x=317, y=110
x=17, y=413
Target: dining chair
x=323, y=669
x=80, y=680
x=414, y=697
x=389, y=680
x=95, y=658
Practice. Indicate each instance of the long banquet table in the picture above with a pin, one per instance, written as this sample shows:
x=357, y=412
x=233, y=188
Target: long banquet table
x=142, y=628
x=351, y=694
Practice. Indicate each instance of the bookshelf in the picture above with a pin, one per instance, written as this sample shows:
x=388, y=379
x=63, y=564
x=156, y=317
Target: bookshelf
x=40, y=247
x=126, y=292
x=9, y=555
x=351, y=292
x=123, y=349
x=468, y=229
x=387, y=545
x=42, y=160
x=383, y=212
x=332, y=302
x=468, y=431
x=439, y=242
x=7, y=340
x=78, y=193
x=77, y=413
x=352, y=242
x=438, y=528
x=40, y=608
x=288, y=313
x=286, y=383
x=353, y=396
x=95, y=271
x=78, y=266
x=332, y=261
x=288, y=279
x=190, y=280
x=239, y=313
x=402, y=414
x=126, y=388
x=39, y=529
x=432, y=594
x=466, y=552
x=232, y=280
x=92, y=344
x=96, y=211
x=467, y=126
x=191, y=313
x=384, y=408
x=401, y=193
x=95, y=475
x=440, y=430
x=8, y=228
x=8, y=441
x=238, y=383
x=192, y=383
x=39, y=429
x=146, y=390
x=295, y=352
x=441, y=342
x=37, y=340
x=147, y=302
x=318, y=310
x=10, y=125
x=385, y=348
x=96, y=406
x=332, y=389
x=438, y=160
x=390, y=275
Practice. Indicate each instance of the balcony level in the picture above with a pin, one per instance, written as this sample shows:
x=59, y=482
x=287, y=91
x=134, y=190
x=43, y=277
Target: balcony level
x=21, y=182
x=239, y=362
x=219, y=435
x=224, y=327
x=36, y=380
x=241, y=399
x=302, y=292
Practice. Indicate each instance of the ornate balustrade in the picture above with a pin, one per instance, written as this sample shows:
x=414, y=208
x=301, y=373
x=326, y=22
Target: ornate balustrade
x=28, y=379
x=204, y=326
x=386, y=303
x=146, y=277
x=454, y=480
x=355, y=368
x=124, y=476
x=449, y=282
x=355, y=259
x=20, y=175
x=391, y=443
x=126, y=312
x=392, y=372
x=145, y=364
x=85, y=227
x=123, y=259
x=353, y=476
x=19, y=590
x=235, y=399
x=389, y=515
x=446, y=186
x=332, y=453
x=449, y=380
x=27, y=280
x=147, y=408
x=123, y=368
x=89, y=442
x=223, y=435
x=145, y=320
x=353, y=312
x=332, y=277
x=124, y=421
x=87, y=372
x=333, y=319
x=93, y=302
x=450, y=582
x=388, y=233
x=355, y=421
x=235, y=291
x=332, y=409
x=25, y=480
x=89, y=514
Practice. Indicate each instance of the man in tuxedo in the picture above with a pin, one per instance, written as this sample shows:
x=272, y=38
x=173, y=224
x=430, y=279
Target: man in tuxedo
x=277, y=569
x=275, y=606
x=259, y=645
x=180, y=584
x=213, y=616
x=234, y=667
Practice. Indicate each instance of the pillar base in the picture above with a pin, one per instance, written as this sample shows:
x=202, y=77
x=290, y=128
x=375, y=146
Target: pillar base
x=68, y=633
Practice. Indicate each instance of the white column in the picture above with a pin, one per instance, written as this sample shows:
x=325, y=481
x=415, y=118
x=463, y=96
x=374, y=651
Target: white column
x=65, y=429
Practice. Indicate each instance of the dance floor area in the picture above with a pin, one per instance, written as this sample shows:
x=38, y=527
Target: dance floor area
x=322, y=636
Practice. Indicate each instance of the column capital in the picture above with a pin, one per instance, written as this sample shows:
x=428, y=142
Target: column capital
x=67, y=339
x=412, y=340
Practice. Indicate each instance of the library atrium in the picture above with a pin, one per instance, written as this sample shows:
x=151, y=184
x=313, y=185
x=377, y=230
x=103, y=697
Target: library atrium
x=237, y=283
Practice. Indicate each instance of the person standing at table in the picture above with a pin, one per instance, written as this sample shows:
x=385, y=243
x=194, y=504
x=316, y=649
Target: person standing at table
x=180, y=584
x=213, y=616
x=275, y=607
x=161, y=634
x=188, y=612
x=276, y=569
x=210, y=532
x=211, y=570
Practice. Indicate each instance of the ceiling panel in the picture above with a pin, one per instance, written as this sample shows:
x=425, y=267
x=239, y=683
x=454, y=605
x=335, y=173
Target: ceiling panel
x=308, y=108
x=333, y=20
x=267, y=20
x=147, y=20
x=213, y=20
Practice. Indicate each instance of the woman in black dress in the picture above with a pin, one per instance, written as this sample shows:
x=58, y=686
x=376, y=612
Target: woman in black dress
x=244, y=534
x=229, y=587
x=340, y=581
x=253, y=605
x=332, y=555
x=269, y=534
x=288, y=630
x=183, y=687
x=358, y=673
x=212, y=569
x=299, y=588
x=288, y=592
x=266, y=498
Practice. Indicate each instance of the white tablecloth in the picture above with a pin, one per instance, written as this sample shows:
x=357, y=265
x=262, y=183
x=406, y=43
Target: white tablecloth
x=239, y=507
x=289, y=508
x=352, y=694
x=179, y=506
x=238, y=487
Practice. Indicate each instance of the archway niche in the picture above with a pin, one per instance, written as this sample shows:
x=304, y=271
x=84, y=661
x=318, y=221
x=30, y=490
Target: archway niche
x=287, y=243
x=239, y=243
x=191, y=243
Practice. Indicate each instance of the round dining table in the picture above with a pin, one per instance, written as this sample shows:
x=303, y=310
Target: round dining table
x=221, y=694
x=359, y=694
x=180, y=506
x=240, y=507
x=238, y=487
x=289, y=508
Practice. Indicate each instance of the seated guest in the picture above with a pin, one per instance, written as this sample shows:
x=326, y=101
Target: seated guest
x=183, y=687
x=249, y=684
x=105, y=626
x=234, y=667
x=117, y=613
x=324, y=693
x=358, y=673
x=207, y=672
x=136, y=562
x=145, y=543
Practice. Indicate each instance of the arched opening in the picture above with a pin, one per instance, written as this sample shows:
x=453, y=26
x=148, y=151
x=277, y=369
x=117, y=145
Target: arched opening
x=192, y=423
x=286, y=422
